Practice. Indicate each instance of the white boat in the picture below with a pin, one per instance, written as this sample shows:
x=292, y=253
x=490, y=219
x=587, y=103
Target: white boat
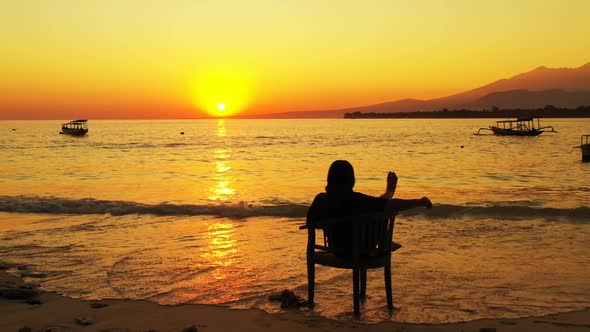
x=75, y=128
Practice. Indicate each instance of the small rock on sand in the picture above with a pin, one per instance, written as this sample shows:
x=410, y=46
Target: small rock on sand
x=55, y=329
x=17, y=293
x=33, y=301
x=288, y=299
x=191, y=328
x=83, y=321
x=98, y=305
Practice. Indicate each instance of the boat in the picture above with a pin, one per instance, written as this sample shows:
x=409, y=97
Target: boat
x=518, y=127
x=585, y=146
x=75, y=128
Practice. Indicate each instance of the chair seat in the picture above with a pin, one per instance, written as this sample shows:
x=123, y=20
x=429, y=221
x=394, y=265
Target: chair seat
x=366, y=262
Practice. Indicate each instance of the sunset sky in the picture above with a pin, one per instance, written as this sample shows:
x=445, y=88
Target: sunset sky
x=182, y=59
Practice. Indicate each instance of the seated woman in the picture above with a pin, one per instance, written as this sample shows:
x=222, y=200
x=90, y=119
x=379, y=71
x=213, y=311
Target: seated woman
x=340, y=200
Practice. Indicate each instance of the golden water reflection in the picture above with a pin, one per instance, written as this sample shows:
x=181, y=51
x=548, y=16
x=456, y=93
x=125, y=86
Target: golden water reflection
x=221, y=131
x=222, y=249
x=222, y=189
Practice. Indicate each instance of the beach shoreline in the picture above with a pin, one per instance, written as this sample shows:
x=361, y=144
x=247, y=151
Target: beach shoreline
x=42, y=310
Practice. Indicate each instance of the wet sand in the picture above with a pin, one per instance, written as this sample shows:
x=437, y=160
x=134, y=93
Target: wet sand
x=40, y=311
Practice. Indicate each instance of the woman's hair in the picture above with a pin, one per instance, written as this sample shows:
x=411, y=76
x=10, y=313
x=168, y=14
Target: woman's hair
x=340, y=178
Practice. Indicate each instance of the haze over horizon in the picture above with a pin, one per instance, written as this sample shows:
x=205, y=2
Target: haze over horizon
x=132, y=59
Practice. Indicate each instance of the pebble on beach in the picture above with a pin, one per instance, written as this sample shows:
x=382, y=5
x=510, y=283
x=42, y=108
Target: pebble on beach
x=17, y=293
x=288, y=299
x=98, y=305
x=83, y=321
x=55, y=329
x=33, y=301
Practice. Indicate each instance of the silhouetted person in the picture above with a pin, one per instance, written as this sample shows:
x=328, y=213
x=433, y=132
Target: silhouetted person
x=340, y=200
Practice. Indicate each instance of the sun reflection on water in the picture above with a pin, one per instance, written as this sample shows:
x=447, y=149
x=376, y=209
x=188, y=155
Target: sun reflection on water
x=222, y=248
x=222, y=189
x=221, y=131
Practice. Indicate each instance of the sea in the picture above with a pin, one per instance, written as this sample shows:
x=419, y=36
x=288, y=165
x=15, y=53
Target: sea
x=208, y=211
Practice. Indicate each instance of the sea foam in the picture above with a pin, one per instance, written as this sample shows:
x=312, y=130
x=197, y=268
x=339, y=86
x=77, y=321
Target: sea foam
x=56, y=205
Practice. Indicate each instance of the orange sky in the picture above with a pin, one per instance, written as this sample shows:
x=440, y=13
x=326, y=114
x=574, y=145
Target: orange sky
x=181, y=59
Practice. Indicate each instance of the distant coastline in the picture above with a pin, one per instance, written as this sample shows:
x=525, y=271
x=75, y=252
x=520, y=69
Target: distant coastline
x=548, y=111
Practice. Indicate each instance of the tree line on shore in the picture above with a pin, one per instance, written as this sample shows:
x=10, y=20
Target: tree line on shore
x=548, y=111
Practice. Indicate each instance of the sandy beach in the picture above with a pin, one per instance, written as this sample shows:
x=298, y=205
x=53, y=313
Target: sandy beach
x=24, y=308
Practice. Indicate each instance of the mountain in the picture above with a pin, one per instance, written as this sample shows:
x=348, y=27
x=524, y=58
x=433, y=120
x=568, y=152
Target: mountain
x=525, y=99
x=563, y=87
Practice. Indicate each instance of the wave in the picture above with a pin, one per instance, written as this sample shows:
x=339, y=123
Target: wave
x=56, y=205
x=504, y=211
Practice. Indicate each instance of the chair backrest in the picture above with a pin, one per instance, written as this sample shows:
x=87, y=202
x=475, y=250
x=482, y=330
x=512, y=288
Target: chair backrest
x=367, y=235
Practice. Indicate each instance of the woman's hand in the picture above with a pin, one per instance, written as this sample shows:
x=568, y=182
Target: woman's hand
x=391, y=185
x=391, y=182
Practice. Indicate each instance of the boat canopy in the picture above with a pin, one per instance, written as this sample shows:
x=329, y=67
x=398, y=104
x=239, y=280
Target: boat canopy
x=76, y=124
x=518, y=120
x=519, y=124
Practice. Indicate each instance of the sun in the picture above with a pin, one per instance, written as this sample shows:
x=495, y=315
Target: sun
x=221, y=90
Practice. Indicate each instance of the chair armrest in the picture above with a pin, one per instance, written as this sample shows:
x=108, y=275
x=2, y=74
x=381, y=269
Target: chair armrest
x=303, y=227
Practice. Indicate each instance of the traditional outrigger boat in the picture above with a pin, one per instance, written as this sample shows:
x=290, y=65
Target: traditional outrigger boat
x=75, y=128
x=585, y=146
x=518, y=127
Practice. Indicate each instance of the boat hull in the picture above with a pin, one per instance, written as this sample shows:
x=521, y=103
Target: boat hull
x=512, y=132
x=586, y=153
x=74, y=132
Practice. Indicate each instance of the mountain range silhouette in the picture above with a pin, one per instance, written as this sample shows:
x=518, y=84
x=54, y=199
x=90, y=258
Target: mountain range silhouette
x=561, y=87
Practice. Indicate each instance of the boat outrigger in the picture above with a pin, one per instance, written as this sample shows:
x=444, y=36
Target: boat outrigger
x=585, y=146
x=518, y=127
x=75, y=128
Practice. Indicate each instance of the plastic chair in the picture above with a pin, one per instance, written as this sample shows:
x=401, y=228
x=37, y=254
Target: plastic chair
x=371, y=248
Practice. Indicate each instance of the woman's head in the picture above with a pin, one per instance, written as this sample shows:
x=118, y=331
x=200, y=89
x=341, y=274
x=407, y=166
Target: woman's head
x=340, y=178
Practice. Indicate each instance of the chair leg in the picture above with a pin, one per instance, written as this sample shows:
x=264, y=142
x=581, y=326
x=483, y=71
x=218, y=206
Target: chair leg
x=310, y=283
x=388, y=292
x=355, y=291
x=363, y=283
